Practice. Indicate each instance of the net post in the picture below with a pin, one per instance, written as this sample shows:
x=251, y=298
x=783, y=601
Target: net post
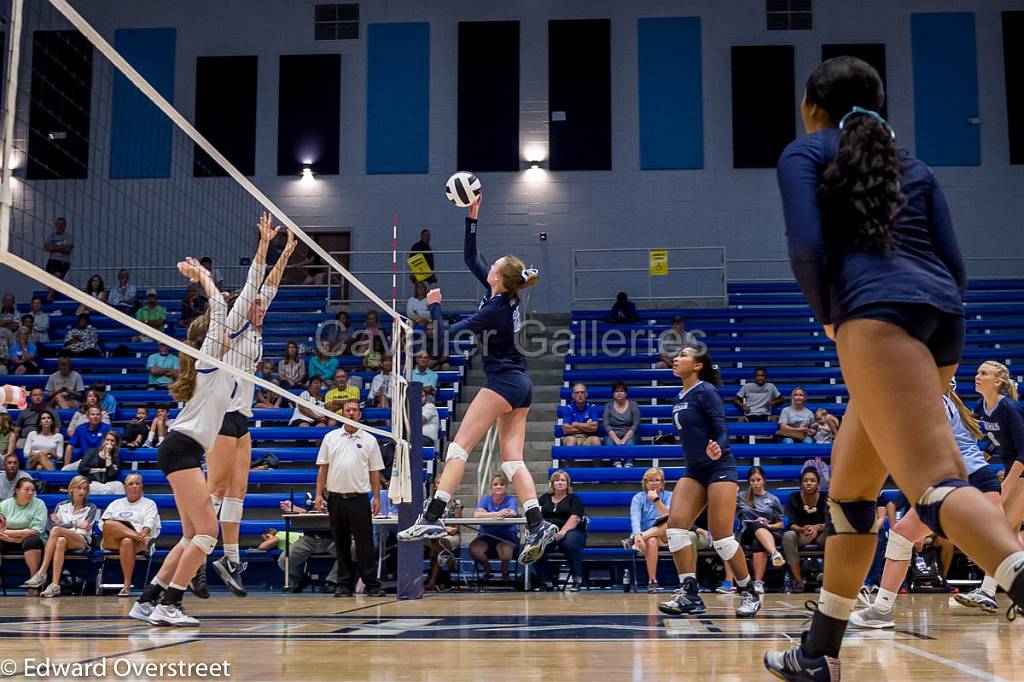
x=410, y=554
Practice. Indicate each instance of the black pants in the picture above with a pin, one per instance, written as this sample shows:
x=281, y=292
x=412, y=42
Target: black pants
x=351, y=519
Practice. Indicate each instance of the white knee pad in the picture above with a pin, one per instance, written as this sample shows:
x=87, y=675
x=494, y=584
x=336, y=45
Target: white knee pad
x=678, y=539
x=726, y=547
x=206, y=543
x=231, y=510
x=184, y=542
x=456, y=451
x=511, y=467
x=898, y=548
x=217, y=503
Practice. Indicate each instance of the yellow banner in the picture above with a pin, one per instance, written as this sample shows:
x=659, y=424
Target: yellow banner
x=419, y=266
x=659, y=261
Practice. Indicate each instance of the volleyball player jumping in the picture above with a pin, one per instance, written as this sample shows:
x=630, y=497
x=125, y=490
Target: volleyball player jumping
x=505, y=399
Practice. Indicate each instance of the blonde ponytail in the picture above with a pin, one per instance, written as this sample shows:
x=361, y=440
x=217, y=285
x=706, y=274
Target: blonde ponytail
x=182, y=388
x=516, y=276
x=966, y=416
x=1007, y=386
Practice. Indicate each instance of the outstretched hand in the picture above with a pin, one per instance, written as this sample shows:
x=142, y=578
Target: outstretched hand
x=474, y=208
x=289, y=247
x=191, y=269
x=433, y=296
x=267, y=231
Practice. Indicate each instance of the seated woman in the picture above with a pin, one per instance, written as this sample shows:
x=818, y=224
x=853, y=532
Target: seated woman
x=760, y=514
x=796, y=423
x=23, y=353
x=291, y=370
x=621, y=421
x=23, y=526
x=495, y=541
x=70, y=530
x=416, y=308
x=263, y=398
x=336, y=334
x=45, y=445
x=649, y=504
x=81, y=416
x=6, y=431
x=100, y=466
x=324, y=364
x=374, y=353
x=806, y=511
x=564, y=508
x=128, y=525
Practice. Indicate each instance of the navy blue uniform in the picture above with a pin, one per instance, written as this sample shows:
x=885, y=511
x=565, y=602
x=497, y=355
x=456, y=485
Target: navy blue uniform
x=917, y=285
x=496, y=324
x=699, y=416
x=1004, y=428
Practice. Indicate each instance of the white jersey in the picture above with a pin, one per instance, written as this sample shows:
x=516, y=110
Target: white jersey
x=203, y=414
x=246, y=342
x=142, y=513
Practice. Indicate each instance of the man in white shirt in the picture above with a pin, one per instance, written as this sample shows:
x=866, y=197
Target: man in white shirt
x=349, y=471
x=380, y=387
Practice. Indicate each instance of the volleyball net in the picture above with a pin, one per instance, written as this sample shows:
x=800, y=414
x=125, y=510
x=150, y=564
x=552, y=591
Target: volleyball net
x=102, y=173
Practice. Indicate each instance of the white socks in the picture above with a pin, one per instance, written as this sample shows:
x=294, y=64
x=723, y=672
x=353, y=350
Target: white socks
x=834, y=606
x=989, y=586
x=684, y=576
x=885, y=599
x=442, y=495
x=231, y=552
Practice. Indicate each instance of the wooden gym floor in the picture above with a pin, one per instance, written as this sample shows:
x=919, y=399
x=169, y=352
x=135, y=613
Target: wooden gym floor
x=452, y=637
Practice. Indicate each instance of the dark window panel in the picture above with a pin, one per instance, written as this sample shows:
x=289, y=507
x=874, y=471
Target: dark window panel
x=763, y=104
x=309, y=114
x=579, y=94
x=226, y=103
x=488, y=129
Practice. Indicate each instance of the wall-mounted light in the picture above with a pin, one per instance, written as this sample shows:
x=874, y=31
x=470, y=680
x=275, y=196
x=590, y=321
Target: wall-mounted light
x=535, y=163
x=307, y=174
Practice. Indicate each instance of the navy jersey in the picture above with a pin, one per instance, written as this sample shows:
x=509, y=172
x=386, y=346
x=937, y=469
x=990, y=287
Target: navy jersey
x=495, y=323
x=699, y=416
x=1004, y=428
x=924, y=266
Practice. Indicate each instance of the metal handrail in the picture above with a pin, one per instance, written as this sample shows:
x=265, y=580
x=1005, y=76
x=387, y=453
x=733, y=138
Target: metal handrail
x=720, y=266
x=484, y=467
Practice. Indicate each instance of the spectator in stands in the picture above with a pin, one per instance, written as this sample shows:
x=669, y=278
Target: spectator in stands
x=107, y=400
x=806, y=511
x=580, y=419
x=136, y=431
x=621, y=420
x=372, y=325
x=129, y=524
x=65, y=386
x=102, y=465
x=564, y=508
x=303, y=417
x=40, y=322
x=12, y=474
x=6, y=429
x=163, y=367
x=301, y=547
x=374, y=354
x=336, y=333
x=5, y=352
x=425, y=375
x=158, y=429
x=81, y=416
x=380, y=387
x=430, y=421
x=336, y=397
x=495, y=541
x=291, y=369
x=623, y=311
x=69, y=530
x=644, y=509
x=760, y=515
x=828, y=426
x=152, y=314
x=81, y=340
x=94, y=288
x=796, y=422
x=416, y=308
x=28, y=419
x=44, y=444
x=9, y=319
x=756, y=400
x=349, y=467
x=23, y=526
x=322, y=365
x=670, y=343
x=86, y=436
x=207, y=263
x=59, y=247
x=262, y=397
x=444, y=551
x=123, y=296
x=436, y=349
x=192, y=306
x=23, y=353
x=423, y=246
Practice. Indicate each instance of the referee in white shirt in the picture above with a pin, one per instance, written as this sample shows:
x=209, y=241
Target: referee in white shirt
x=349, y=469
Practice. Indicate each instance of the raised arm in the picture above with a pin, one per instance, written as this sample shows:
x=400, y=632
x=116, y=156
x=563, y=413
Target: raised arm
x=474, y=261
x=239, y=311
x=273, y=281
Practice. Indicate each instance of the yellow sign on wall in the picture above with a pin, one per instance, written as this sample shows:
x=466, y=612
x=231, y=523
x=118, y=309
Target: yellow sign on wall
x=419, y=266
x=659, y=262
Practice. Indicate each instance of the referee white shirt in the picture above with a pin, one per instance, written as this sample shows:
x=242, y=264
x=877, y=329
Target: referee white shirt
x=350, y=456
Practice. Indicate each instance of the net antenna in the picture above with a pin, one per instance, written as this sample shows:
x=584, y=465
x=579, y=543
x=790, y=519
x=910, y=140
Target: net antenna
x=402, y=331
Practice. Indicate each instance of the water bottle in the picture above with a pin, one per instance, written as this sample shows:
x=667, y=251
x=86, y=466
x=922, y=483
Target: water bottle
x=626, y=581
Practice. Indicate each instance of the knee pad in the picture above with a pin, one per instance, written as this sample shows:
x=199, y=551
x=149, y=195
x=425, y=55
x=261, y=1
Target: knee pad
x=456, y=451
x=184, y=542
x=930, y=504
x=898, y=548
x=231, y=510
x=853, y=517
x=217, y=503
x=678, y=539
x=726, y=547
x=511, y=467
x=206, y=543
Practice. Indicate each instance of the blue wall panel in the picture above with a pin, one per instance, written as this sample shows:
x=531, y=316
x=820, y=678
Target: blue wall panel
x=140, y=134
x=945, y=88
x=671, y=93
x=398, y=98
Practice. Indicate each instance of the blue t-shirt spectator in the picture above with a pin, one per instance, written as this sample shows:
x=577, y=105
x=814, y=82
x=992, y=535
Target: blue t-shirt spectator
x=162, y=361
x=590, y=412
x=84, y=439
x=508, y=533
x=324, y=368
x=643, y=513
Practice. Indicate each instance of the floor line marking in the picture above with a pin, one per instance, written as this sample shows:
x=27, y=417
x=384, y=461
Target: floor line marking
x=956, y=665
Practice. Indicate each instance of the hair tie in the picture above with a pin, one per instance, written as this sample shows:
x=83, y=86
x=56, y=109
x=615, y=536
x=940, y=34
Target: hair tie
x=528, y=273
x=714, y=367
x=867, y=112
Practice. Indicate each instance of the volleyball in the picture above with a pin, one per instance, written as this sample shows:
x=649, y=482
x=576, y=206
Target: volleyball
x=462, y=189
